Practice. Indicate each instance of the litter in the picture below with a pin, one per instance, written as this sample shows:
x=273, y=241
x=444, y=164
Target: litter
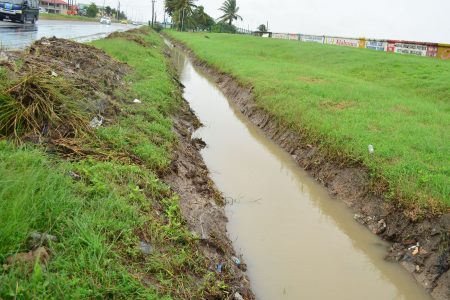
x=238, y=296
x=137, y=101
x=96, y=122
x=371, y=149
x=236, y=260
x=145, y=248
x=219, y=268
x=54, y=74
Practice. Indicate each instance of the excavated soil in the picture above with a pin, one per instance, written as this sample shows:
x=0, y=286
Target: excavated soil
x=421, y=246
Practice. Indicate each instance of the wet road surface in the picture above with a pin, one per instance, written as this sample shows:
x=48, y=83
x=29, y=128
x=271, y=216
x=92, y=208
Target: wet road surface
x=297, y=241
x=17, y=36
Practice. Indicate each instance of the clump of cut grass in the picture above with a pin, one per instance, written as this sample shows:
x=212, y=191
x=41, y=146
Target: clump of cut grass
x=40, y=104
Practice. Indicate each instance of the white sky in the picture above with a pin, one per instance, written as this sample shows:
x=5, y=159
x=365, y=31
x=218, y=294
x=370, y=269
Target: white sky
x=395, y=19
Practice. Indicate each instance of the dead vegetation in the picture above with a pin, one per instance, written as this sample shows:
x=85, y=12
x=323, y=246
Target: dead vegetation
x=51, y=92
x=130, y=37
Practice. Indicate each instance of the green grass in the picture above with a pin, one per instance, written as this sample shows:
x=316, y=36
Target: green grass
x=346, y=99
x=60, y=17
x=67, y=17
x=100, y=219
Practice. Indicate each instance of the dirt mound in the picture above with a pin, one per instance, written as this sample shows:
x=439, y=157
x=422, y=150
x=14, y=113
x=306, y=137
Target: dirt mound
x=128, y=35
x=54, y=89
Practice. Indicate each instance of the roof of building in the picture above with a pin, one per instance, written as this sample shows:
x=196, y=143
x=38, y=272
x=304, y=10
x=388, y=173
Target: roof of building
x=54, y=2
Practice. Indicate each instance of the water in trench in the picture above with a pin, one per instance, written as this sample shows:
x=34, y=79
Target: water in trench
x=298, y=243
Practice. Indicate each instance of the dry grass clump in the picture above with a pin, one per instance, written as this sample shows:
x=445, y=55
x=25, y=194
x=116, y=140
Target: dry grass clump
x=39, y=104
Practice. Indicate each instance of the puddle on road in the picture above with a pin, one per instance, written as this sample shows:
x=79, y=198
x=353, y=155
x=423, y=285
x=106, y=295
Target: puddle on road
x=298, y=243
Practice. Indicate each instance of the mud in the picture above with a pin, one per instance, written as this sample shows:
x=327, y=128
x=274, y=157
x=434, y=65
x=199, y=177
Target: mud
x=420, y=245
x=202, y=206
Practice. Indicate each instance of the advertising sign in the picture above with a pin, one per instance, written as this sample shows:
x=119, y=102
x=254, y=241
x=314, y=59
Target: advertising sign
x=312, y=38
x=377, y=45
x=342, y=42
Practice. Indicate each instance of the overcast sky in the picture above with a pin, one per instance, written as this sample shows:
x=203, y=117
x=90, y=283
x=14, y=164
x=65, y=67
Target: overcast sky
x=396, y=19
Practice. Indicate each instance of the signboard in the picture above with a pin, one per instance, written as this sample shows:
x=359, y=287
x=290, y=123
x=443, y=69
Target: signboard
x=342, y=42
x=377, y=45
x=293, y=37
x=312, y=38
x=432, y=50
x=406, y=48
x=282, y=36
x=443, y=51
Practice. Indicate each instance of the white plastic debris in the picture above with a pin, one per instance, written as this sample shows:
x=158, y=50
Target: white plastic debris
x=238, y=296
x=3, y=56
x=54, y=74
x=96, y=122
x=371, y=149
x=137, y=101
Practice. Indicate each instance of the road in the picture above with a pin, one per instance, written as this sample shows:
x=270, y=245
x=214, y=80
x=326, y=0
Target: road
x=17, y=36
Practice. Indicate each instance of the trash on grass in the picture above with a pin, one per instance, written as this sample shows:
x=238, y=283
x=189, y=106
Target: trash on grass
x=96, y=122
x=145, y=248
x=137, y=101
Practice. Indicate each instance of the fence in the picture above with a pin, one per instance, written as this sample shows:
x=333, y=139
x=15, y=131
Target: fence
x=441, y=51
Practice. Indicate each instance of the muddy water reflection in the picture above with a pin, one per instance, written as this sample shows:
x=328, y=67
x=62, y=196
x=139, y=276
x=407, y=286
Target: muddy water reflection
x=298, y=243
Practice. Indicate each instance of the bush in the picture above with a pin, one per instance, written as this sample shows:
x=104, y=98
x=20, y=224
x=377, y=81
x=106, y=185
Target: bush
x=223, y=28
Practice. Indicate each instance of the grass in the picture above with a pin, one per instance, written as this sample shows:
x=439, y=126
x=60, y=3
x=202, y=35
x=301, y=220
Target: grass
x=101, y=217
x=66, y=17
x=69, y=18
x=345, y=99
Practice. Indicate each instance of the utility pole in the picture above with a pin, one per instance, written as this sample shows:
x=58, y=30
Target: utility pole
x=153, y=13
x=118, y=11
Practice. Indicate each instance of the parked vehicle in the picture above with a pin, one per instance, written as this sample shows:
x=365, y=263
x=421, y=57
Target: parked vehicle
x=19, y=10
x=105, y=20
x=124, y=22
x=42, y=10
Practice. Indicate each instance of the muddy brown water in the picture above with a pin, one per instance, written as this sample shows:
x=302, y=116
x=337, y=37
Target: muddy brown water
x=298, y=243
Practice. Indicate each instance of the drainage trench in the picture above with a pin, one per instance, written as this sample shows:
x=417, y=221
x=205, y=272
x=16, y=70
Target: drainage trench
x=298, y=243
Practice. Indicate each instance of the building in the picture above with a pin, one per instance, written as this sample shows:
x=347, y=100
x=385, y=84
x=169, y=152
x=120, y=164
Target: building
x=55, y=6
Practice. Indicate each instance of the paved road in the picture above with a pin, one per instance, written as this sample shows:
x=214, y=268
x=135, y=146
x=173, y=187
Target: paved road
x=16, y=36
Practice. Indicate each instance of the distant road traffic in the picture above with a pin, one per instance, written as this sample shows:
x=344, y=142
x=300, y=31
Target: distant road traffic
x=17, y=36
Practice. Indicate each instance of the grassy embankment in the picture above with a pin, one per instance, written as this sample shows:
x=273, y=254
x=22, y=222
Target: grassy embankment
x=66, y=18
x=101, y=218
x=346, y=99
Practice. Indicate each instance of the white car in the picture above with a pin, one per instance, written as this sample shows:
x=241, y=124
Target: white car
x=105, y=20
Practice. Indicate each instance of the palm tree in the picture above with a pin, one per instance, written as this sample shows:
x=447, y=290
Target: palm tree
x=230, y=12
x=180, y=10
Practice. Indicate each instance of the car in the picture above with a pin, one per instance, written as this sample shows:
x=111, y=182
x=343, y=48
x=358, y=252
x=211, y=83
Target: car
x=135, y=23
x=42, y=10
x=105, y=20
x=124, y=22
x=19, y=10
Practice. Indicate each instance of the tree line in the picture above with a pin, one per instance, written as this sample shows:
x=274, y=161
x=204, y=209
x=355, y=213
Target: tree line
x=186, y=15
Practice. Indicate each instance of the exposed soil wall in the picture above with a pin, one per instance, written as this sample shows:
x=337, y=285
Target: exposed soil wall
x=421, y=246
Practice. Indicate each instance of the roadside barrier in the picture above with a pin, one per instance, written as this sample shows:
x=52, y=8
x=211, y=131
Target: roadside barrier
x=441, y=51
